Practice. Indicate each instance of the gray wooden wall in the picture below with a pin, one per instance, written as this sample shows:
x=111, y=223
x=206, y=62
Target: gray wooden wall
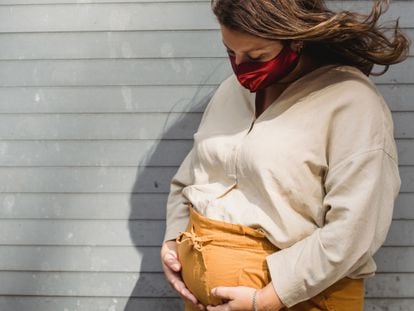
x=98, y=103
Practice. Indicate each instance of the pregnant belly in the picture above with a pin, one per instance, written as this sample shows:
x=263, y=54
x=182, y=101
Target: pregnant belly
x=209, y=263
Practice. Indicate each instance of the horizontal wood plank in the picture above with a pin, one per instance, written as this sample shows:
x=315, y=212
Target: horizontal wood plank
x=150, y=284
x=395, y=259
x=100, y=126
x=404, y=206
x=402, y=304
x=50, y=303
x=125, y=233
x=145, y=16
x=398, y=97
x=86, y=179
x=97, y=152
x=130, y=99
x=407, y=178
x=80, y=258
x=98, y=284
x=109, y=179
x=90, y=206
x=390, y=285
x=125, y=99
x=95, y=45
x=130, y=72
x=128, y=44
x=43, y=2
x=82, y=232
x=405, y=151
x=103, y=153
x=120, y=206
x=401, y=233
x=97, y=126
x=141, y=259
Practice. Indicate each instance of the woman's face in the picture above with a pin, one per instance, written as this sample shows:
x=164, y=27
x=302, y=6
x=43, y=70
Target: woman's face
x=245, y=47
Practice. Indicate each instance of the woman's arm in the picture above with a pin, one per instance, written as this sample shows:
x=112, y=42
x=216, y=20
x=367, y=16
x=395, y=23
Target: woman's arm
x=360, y=195
x=177, y=209
x=361, y=191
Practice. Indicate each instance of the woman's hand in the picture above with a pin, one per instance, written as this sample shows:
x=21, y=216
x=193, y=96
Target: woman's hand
x=172, y=267
x=240, y=299
x=237, y=298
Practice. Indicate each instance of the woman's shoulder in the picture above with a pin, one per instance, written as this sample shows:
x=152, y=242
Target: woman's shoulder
x=229, y=86
x=346, y=87
x=229, y=92
x=344, y=78
x=357, y=112
x=345, y=90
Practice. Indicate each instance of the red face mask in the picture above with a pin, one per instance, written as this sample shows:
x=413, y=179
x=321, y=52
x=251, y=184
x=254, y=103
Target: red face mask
x=259, y=75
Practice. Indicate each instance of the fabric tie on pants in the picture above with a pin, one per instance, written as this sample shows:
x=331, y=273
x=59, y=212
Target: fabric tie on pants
x=197, y=241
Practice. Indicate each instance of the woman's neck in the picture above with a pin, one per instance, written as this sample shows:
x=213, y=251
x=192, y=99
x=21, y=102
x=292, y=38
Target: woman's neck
x=267, y=96
x=305, y=65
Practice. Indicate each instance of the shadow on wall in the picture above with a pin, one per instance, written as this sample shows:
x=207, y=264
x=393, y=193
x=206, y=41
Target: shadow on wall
x=152, y=292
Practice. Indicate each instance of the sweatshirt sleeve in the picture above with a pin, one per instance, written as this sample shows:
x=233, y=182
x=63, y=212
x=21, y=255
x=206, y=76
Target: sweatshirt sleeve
x=360, y=195
x=177, y=211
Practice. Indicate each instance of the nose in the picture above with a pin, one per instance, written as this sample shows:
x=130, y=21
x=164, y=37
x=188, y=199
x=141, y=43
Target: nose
x=238, y=59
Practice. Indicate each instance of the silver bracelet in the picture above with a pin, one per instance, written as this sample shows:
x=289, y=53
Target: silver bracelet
x=254, y=301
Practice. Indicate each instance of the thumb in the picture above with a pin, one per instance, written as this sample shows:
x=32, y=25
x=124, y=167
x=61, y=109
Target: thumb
x=223, y=292
x=171, y=260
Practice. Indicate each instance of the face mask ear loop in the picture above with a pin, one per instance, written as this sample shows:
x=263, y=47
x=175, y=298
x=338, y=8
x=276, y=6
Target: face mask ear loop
x=300, y=48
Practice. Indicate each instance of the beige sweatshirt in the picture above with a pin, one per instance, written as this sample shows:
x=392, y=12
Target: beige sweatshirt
x=317, y=171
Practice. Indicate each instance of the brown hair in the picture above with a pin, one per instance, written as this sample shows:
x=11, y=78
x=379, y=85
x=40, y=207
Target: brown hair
x=343, y=37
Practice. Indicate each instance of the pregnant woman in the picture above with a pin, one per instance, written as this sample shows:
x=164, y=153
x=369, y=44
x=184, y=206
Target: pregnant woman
x=290, y=185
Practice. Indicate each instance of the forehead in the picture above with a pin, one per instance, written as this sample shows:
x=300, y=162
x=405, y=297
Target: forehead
x=244, y=42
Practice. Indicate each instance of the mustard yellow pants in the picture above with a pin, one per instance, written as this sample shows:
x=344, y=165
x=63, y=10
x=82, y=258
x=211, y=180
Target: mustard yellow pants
x=215, y=253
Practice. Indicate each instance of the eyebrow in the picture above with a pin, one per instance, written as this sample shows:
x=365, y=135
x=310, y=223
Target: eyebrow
x=259, y=49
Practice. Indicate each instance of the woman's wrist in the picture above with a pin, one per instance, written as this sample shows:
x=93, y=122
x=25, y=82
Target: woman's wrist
x=267, y=299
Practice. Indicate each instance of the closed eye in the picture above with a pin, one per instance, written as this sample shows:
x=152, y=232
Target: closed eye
x=231, y=53
x=255, y=58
